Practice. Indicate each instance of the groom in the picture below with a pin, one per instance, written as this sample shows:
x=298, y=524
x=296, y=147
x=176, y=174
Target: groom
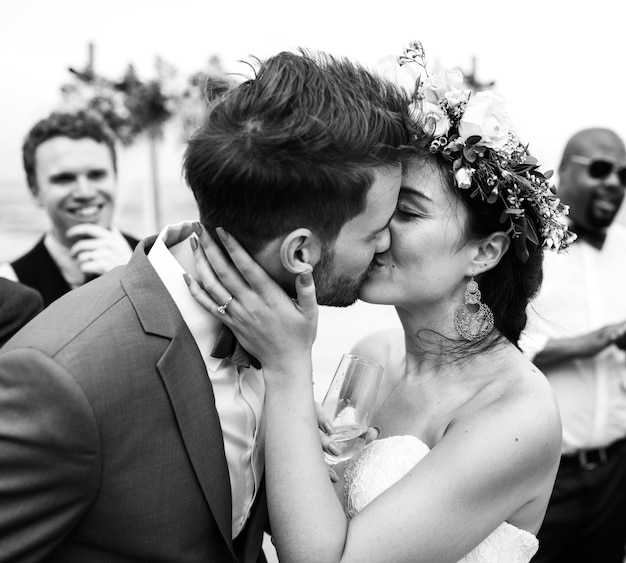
x=127, y=432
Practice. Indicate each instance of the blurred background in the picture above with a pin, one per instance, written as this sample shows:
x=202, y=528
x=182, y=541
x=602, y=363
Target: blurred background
x=558, y=64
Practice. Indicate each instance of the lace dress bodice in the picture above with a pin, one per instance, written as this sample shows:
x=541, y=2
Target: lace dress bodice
x=383, y=462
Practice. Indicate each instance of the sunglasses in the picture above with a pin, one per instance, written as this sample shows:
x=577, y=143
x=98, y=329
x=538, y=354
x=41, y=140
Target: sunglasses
x=600, y=168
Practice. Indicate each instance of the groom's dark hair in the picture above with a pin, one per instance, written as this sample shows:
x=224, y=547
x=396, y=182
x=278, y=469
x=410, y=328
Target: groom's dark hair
x=295, y=146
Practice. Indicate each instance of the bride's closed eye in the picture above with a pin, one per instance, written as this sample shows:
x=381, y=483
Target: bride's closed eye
x=406, y=213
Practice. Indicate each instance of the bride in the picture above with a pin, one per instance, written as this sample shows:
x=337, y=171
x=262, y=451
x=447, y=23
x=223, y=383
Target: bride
x=470, y=432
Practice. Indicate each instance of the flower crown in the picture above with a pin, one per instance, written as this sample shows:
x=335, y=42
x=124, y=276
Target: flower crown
x=472, y=131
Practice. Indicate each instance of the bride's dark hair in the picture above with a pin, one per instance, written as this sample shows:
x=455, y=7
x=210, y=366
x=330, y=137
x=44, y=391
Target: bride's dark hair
x=491, y=172
x=511, y=284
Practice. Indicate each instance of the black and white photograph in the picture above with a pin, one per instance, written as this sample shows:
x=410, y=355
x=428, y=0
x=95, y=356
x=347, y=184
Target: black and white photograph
x=287, y=282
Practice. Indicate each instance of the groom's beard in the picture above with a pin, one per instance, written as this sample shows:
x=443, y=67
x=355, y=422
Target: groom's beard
x=332, y=289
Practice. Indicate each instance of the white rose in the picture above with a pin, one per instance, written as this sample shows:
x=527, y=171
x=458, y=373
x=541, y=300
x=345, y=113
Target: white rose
x=463, y=177
x=404, y=76
x=438, y=84
x=438, y=123
x=455, y=97
x=485, y=116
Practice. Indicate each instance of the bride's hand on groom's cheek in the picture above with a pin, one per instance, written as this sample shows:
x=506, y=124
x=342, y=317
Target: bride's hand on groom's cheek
x=269, y=324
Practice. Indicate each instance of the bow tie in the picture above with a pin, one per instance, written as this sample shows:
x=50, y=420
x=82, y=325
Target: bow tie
x=594, y=238
x=227, y=346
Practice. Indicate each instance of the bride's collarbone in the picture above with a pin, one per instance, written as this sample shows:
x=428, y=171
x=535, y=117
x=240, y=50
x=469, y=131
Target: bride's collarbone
x=402, y=417
x=427, y=411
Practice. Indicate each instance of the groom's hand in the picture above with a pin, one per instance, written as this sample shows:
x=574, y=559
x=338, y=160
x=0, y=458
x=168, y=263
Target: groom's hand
x=372, y=433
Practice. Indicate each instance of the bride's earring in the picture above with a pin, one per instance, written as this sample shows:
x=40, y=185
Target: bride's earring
x=473, y=320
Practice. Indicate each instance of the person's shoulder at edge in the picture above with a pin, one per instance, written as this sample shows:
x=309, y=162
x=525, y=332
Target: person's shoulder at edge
x=379, y=345
x=7, y=272
x=18, y=305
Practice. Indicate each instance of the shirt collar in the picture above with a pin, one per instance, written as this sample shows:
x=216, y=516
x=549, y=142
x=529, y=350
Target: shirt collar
x=594, y=238
x=170, y=249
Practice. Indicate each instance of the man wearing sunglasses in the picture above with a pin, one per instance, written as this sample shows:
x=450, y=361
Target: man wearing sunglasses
x=576, y=334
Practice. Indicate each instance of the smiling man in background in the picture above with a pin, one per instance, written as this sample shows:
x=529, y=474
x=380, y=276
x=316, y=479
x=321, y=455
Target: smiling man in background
x=576, y=336
x=71, y=170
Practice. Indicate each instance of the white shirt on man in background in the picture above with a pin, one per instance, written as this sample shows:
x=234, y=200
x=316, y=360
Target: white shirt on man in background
x=584, y=289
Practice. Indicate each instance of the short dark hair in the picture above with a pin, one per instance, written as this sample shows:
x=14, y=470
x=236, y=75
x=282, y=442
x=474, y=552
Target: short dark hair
x=75, y=125
x=295, y=146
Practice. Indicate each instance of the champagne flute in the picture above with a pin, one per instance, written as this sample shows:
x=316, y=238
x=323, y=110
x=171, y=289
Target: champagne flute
x=349, y=402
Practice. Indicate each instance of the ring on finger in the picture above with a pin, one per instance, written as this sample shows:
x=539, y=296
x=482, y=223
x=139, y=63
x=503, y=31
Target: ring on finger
x=222, y=308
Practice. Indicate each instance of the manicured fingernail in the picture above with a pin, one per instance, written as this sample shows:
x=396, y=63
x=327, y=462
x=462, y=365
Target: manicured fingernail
x=329, y=428
x=334, y=448
x=221, y=233
x=306, y=278
x=197, y=228
x=193, y=241
x=187, y=279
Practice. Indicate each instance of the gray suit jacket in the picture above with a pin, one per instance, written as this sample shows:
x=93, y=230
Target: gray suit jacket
x=110, y=444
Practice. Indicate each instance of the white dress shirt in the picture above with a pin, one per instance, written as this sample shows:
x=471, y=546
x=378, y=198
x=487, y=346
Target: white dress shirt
x=584, y=290
x=239, y=393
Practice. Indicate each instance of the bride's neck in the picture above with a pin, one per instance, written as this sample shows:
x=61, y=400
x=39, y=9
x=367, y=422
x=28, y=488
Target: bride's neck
x=432, y=344
x=428, y=331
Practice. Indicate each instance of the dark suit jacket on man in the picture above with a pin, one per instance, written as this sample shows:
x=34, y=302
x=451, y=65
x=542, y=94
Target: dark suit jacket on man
x=38, y=270
x=18, y=304
x=111, y=446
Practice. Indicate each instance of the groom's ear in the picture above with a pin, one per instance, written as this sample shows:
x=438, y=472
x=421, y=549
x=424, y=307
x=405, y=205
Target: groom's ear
x=300, y=251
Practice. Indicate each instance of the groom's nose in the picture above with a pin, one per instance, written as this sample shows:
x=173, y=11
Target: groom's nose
x=384, y=241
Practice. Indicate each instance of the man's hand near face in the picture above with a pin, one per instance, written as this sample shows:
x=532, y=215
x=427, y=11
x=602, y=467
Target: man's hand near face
x=98, y=249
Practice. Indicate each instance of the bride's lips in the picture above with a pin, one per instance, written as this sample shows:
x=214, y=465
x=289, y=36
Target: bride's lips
x=376, y=264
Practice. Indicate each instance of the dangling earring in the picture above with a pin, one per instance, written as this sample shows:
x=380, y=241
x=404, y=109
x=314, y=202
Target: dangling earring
x=474, y=325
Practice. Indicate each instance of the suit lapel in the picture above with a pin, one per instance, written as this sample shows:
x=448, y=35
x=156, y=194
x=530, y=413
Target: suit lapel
x=187, y=383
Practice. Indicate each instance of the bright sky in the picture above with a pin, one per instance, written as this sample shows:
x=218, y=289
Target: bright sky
x=555, y=62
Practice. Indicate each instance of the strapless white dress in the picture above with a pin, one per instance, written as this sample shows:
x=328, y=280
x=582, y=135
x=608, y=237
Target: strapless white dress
x=383, y=462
